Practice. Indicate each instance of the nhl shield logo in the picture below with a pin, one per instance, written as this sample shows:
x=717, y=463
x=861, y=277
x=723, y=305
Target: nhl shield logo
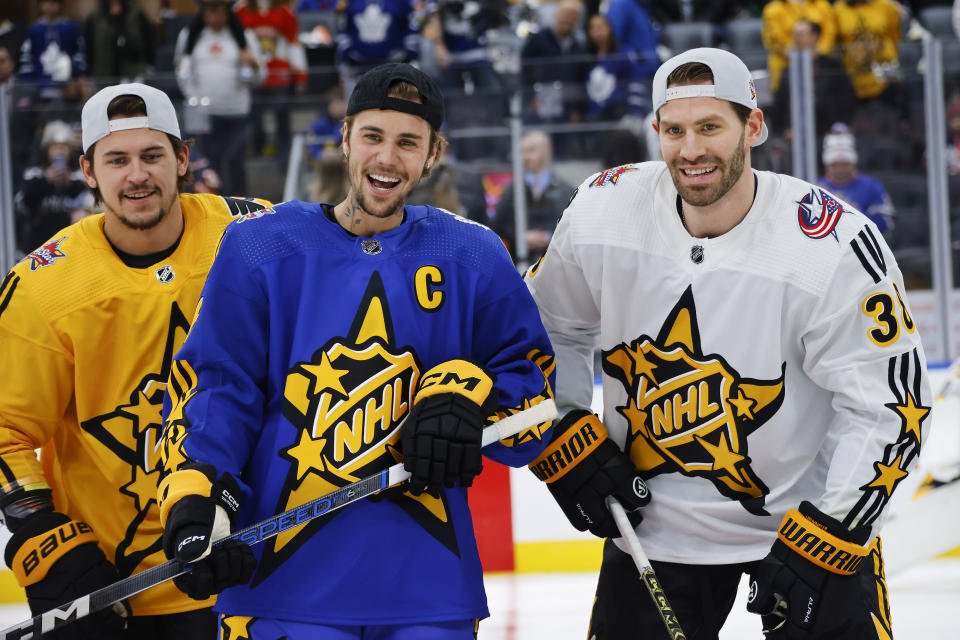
x=165, y=274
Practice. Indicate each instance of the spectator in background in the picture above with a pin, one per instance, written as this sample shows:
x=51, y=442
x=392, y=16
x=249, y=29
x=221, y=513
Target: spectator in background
x=833, y=97
x=19, y=103
x=868, y=33
x=219, y=62
x=546, y=196
x=121, y=41
x=841, y=178
x=552, y=59
x=53, y=55
x=330, y=182
x=326, y=132
x=53, y=195
x=277, y=31
x=635, y=30
x=779, y=16
x=371, y=32
x=458, y=31
x=607, y=73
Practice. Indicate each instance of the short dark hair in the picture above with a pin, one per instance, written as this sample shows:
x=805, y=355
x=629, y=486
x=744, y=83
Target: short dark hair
x=407, y=91
x=699, y=73
x=130, y=106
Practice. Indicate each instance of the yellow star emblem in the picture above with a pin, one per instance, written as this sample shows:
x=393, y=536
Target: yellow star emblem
x=743, y=405
x=634, y=414
x=325, y=377
x=235, y=627
x=143, y=487
x=143, y=410
x=642, y=366
x=912, y=414
x=888, y=475
x=723, y=457
x=308, y=452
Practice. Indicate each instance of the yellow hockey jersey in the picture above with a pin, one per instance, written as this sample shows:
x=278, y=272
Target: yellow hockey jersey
x=86, y=344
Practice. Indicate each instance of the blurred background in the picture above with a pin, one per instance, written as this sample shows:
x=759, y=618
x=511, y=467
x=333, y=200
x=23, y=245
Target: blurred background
x=861, y=96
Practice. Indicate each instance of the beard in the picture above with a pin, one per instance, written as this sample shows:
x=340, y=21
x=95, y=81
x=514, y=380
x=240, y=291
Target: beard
x=147, y=221
x=731, y=169
x=381, y=209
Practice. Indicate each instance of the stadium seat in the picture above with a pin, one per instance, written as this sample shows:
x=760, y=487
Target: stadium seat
x=744, y=37
x=938, y=20
x=680, y=36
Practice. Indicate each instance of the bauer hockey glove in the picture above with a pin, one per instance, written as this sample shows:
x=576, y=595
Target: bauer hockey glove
x=441, y=436
x=581, y=467
x=807, y=585
x=197, y=508
x=57, y=560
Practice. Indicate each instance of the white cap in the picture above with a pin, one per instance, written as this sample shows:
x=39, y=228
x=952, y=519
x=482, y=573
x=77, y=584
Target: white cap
x=731, y=80
x=839, y=147
x=160, y=113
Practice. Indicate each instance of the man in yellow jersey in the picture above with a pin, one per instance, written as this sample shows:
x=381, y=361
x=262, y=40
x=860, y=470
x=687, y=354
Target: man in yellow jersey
x=89, y=323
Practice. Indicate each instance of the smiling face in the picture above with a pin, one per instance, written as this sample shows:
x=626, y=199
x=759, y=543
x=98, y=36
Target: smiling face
x=387, y=152
x=704, y=143
x=136, y=172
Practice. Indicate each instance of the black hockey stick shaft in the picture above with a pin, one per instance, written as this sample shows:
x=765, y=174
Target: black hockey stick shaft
x=257, y=533
x=647, y=575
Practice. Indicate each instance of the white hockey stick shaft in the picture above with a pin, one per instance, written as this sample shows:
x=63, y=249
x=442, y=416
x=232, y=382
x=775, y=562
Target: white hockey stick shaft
x=647, y=575
x=256, y=533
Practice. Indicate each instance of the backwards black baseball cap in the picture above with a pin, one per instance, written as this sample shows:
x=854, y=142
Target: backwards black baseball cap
x=371, y=91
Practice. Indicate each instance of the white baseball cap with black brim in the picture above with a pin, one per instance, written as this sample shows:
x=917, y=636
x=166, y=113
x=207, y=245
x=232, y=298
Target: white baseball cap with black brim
x=731, y=81
x=97, y=124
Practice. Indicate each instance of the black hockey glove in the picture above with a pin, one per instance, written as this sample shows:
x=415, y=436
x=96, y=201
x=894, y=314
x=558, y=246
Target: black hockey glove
x=581, y=467
x=57, y=560
x=807, y=585
x=197, y=508
x=441, y=436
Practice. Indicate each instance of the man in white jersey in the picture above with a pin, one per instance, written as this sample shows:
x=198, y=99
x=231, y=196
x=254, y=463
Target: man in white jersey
x=760, y=369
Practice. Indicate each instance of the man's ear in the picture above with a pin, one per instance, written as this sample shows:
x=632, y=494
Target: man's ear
x=656, y=127
x=87, y=170
x=183, y=160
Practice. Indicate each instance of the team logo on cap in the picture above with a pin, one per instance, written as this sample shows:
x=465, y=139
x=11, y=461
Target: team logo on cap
x=47, y=254
x=818, y=214
x=753, y=90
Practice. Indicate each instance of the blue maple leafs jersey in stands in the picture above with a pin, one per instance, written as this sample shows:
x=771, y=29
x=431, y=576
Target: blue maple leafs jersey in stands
x=296, y=377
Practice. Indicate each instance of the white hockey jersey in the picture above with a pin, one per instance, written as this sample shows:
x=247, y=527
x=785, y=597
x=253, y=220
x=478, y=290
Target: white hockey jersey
x=743, y=373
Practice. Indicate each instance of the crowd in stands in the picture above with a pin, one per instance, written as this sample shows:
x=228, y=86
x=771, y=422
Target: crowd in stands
x=241, y=68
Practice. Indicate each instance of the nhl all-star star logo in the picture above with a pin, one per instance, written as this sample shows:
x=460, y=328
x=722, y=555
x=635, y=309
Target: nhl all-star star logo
x=130, y=433
x=346, y=404
x=690, y=412
x=47, y=254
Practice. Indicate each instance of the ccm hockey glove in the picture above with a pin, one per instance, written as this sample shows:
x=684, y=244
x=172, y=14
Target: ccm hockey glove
x=441, y=436
x=197, y=508
x=56, y=560
x=807, y=585
x=581, y=467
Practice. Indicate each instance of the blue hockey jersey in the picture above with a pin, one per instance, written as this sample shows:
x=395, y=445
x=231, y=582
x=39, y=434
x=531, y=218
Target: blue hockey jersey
x=375, y=31
x=297, y=374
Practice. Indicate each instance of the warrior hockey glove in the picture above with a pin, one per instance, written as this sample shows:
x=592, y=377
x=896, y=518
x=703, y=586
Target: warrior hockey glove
x=441, y=436
x=57, y=560
x=197, y=508
x=581, y=467
x=806, y=586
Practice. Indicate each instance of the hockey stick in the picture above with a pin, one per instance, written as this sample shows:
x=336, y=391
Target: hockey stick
x=257, y=533
x=647, y=575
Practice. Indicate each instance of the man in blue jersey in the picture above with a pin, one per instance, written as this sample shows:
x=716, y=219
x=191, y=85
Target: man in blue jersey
x=842, y=178
x=332, y=341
